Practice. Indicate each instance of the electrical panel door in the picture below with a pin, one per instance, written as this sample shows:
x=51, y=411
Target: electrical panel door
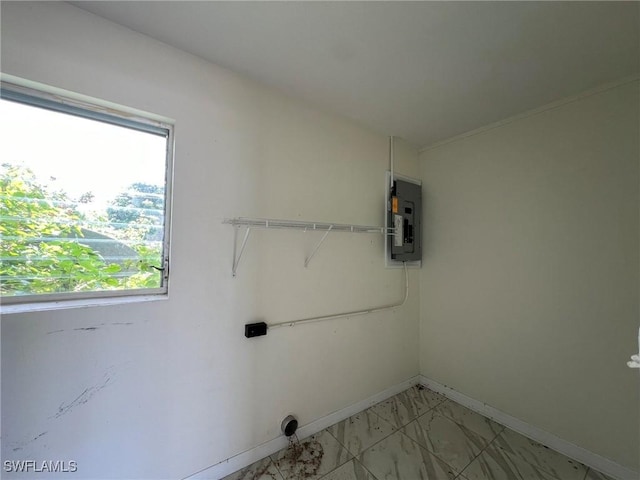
x=405, y=213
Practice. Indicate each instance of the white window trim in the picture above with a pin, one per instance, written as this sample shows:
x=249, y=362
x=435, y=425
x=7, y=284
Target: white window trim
x=77, y=303
x=95, y=109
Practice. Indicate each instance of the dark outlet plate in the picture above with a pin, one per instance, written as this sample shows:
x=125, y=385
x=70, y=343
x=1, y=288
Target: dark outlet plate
x=255, y=329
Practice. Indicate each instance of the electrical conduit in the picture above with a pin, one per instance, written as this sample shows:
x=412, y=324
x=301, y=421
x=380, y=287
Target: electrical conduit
x=355, y=313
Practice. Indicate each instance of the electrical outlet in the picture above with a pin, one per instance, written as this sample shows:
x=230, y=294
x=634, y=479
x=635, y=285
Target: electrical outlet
x=255, y=329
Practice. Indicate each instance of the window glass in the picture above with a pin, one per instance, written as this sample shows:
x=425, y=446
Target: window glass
x=83, y=201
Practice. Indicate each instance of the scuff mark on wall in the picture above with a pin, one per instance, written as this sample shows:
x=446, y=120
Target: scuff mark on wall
x=92, y=328
x=108, y=376
x=83, y=398
x=17, y=446
x=54, y=331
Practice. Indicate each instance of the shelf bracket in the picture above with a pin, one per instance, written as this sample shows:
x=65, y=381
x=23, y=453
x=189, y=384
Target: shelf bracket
x=306, y=262
x=269, y=223
x=236, y=259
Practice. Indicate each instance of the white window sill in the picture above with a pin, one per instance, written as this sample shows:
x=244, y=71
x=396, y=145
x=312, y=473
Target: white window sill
x=80, y=303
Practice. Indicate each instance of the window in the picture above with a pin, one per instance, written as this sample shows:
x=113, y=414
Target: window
x=84, y=200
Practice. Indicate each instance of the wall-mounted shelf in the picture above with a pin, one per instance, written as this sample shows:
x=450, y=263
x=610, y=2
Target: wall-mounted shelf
x=267, y=223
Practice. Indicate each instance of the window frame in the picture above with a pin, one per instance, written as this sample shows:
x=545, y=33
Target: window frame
x=96, y=110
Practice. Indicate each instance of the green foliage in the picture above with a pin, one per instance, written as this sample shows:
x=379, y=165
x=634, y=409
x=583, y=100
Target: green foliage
x=139, y=210
x=42, y=246
x=150, y=259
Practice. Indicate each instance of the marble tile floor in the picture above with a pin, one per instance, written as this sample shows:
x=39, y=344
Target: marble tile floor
x=417, y=435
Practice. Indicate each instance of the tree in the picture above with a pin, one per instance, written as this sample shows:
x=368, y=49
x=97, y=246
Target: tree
x=141, y=207
x=138, y=214
x=46, y=243
x=40, y=241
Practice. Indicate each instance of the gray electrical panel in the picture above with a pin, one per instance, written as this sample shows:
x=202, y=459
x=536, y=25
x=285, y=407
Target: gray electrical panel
x=405, y=213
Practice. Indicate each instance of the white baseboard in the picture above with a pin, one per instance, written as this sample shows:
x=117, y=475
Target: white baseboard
x=575, y=452
x=248, y=457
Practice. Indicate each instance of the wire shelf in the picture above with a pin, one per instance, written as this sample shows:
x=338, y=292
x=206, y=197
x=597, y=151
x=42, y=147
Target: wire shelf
x=300, y=225
x=269, y=223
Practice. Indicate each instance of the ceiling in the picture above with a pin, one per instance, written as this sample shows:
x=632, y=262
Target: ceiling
x=424, y=71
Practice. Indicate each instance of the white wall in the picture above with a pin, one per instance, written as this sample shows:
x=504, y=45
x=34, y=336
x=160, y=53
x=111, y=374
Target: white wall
x=181, y=388
x=529, y=285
